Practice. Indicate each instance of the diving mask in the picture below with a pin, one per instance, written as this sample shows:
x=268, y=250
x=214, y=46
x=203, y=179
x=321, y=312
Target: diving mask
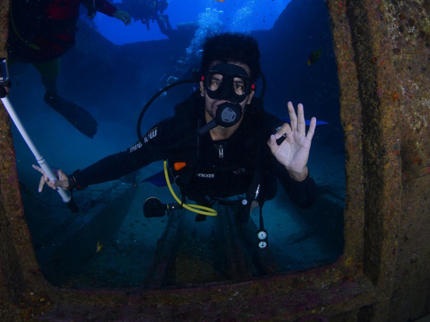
x=227, y=82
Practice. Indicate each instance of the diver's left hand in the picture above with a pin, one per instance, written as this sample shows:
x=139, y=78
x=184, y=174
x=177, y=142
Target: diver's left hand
x=293, y=152
x=62, y=179
x=123, y=16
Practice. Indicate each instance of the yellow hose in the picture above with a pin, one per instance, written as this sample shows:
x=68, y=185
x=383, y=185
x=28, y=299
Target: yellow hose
x=202, y=210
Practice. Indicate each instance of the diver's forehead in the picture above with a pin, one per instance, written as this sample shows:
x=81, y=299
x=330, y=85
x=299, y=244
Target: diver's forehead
x=242, y=65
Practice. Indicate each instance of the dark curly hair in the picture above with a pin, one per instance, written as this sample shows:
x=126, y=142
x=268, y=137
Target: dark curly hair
x=232, y=48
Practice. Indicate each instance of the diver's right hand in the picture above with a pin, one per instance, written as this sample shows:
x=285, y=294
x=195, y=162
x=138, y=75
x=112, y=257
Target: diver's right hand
x=62, y=182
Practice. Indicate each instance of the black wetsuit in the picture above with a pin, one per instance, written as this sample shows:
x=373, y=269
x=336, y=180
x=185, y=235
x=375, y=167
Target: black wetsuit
x=216, y=169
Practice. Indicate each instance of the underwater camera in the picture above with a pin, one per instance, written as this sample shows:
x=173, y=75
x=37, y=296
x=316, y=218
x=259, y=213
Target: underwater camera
x=4, y=77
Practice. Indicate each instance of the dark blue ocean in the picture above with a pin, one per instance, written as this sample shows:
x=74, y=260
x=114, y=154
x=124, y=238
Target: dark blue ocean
x=112, y=71
x=241, y=16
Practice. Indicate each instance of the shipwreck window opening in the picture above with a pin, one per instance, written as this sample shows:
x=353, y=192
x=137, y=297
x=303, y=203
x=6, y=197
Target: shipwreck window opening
x=109, y=243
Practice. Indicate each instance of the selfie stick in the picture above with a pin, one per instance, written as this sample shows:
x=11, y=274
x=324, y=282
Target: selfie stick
x=4, y=79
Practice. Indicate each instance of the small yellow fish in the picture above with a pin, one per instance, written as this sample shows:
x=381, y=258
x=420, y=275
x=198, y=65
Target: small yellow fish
x=99, y=246
x=314, y=56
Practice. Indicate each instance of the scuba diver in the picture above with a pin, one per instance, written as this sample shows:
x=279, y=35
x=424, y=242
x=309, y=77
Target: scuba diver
x=149, y=10
x=40, y=32
x=184, y=69
x=221, y=142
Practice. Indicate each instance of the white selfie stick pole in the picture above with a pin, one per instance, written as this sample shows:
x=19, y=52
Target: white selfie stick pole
x=4, y=81
x=65, y=195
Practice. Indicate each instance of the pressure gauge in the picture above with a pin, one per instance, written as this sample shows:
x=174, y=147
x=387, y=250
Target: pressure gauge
x=262, y=244
x=262, y=235
x=262, y=239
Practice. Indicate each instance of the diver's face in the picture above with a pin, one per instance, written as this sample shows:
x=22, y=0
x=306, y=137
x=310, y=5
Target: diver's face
x=211, y=104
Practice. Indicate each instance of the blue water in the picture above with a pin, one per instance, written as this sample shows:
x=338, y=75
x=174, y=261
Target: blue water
x=233, y=15
x=114, y=85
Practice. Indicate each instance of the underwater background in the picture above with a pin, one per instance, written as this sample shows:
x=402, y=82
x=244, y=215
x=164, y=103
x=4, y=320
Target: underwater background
x=112, y=71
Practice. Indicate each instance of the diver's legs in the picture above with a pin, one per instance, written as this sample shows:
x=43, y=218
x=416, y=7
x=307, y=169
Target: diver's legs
x=76, y=115
x=164, y=25
x=49, y=73
x=166, y=18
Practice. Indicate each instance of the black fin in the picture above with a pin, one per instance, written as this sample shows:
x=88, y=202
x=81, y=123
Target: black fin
x=76, y=115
